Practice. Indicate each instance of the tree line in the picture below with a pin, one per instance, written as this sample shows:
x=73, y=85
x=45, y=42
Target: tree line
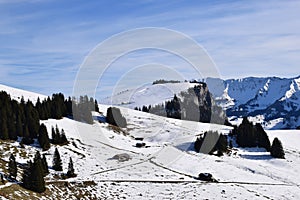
x=22, y=119
x=35, y=171
x=195, y=104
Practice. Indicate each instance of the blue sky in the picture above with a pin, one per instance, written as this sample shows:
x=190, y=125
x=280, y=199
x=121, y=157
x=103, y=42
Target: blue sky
x=44, y=42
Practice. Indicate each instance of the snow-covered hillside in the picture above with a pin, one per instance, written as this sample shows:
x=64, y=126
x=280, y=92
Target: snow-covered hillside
x=165, y=169
x=147, y=95
x=17, y=94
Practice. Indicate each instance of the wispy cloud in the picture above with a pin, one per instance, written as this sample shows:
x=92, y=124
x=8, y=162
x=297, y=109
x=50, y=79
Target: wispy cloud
x=43, y=43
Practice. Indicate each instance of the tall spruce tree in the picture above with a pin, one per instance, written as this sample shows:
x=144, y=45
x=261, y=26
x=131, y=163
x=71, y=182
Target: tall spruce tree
x=27, y=176
x=12, y=167
x=37, y=174
x=63, y=138
x=57, y=163
x=43, y=137
x=71, y=171
x=45, y=165
x=262, y=138
x=277, y=149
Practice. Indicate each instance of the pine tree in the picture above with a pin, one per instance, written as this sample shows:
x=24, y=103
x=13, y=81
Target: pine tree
x=277, y=149
x=12, y=167
x=57, y=135
x=45, y=165
x=96, y=106
x=43, y=138
x=4, y=129
x=19, y=126
x=63, y=138
x=262, y=138
x=33, y=176
x=26, y=139
x=27, y=174
x=37, y=175
x=71, y=172
x=53, y=135
x=57, y=163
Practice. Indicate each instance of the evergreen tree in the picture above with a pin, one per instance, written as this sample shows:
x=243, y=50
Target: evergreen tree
x=12, y=167
x=43, y=138
x=71, y=172
x=246, y=136
x=277, y=149
x=57, y=163
x=53, y=135
x=262, y=138
x=37, y=175
x=27, y=176
x=4, y=130
x=63, y=138
x=19, y=125
x=45, y=165
x=26, y=139
x=222, y=145
x=96, y=106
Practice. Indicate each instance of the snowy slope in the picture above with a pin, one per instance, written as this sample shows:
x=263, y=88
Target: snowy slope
x=147, y=95
x=165, y=169
x=17, y=94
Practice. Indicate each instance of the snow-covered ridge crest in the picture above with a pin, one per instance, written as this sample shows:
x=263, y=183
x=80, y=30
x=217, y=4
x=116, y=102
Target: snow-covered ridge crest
x=17, y=94
x=149, y=94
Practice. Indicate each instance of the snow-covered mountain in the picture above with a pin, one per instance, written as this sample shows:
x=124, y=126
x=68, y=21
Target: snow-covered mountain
x=273, y=101
x=164, y=170
x=272, y=97
x=147, y=95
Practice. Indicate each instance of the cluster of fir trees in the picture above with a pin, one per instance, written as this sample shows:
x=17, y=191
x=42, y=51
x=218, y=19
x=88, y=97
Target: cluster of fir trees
x=249, y=135
x=162, y=81
x=23, y=119
x=17, y=116
x=196, y=104
x=18, y=119
x=220, y=147
x=57, y=164
x=58, y=137
x=35, y=171
x=58, y=107
x=82, y=109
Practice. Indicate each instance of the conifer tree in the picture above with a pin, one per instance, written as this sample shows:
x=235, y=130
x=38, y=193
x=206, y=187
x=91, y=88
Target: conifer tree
x=53, y=135
x=277, y=149
x=43, y=138
x=57, y=163
x=57, y=135
x=262, y=138
x=26, y=139
x=45, y=165
x=96, y=106
x=63, y=138
x=19, y=126
x=27, y=174
x=71, y=172
x=37, y=174
x=12, y=167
